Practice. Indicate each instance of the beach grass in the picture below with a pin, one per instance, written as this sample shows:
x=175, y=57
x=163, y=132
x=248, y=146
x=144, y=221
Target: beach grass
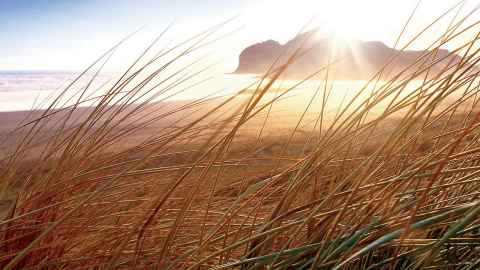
x=386, y=180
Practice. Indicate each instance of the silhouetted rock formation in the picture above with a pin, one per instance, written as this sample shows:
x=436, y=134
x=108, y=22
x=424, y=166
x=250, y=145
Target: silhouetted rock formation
x=354, y=60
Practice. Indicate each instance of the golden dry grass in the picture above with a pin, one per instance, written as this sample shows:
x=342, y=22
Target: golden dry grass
x=388, y=179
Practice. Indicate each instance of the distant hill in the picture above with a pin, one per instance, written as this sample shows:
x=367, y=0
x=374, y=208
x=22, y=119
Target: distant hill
x=357, y=60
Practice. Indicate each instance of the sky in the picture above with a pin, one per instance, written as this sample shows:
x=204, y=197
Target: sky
x=70, y=34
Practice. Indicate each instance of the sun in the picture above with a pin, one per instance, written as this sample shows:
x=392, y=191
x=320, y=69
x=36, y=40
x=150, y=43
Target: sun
x=345, y=20
x=339, y=18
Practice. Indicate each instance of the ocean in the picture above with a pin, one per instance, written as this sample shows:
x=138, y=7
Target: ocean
x=26, y=90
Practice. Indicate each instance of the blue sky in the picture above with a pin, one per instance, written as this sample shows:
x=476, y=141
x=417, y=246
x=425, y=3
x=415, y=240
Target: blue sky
x=69, y=34
x=41, y=34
